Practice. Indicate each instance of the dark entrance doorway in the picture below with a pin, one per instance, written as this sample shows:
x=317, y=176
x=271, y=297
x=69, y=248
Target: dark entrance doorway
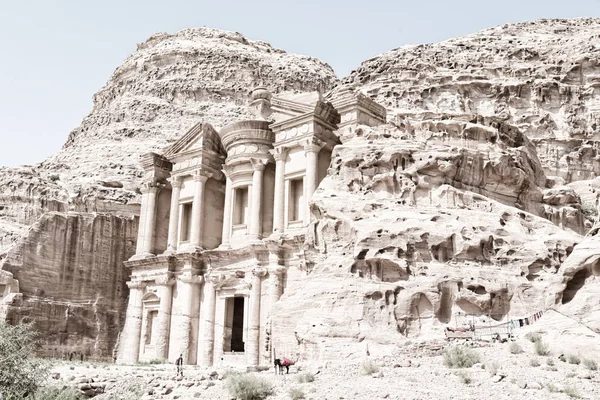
x=235, y=324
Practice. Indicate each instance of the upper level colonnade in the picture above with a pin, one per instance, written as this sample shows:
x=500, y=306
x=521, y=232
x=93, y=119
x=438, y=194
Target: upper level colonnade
x=253, y=179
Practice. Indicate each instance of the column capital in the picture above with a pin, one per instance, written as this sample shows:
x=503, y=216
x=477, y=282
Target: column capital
x=312, y=145
x=259, y=164
x=149, y=187
x=279, y=153
x=277, y=270
x=191, y=279
x=259, y=272
x=136, y=285
x=176, y=181
x=166, y=280
x=214, y=279
x=201, y=176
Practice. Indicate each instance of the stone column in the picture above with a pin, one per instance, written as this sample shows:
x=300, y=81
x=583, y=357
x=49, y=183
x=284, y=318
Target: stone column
x=276, y=283
x=150, y=218
x=255, y=208
x=174, y=214
x=130, y=343
x=253, y=347
x=280, y=155
x=209, y=321
x=200, y=179
x=226, y=236
x=312, y=148
x=165, y=293
x=190, y=284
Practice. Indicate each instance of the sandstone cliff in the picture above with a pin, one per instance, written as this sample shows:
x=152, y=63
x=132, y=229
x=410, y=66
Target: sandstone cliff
x=470, y=199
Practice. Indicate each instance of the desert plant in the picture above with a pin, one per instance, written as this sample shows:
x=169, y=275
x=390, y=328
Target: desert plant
x=492, y=368
x=306, y=377
x=21, y=374
x=534, y=362
x=551, y=387
x=534, y=337
x=58, y=393
x=573, y=359
x=248, y=387
x=541, y=348
x=460, y=357
x=54, y=177
x=296, y=394
x=589, y=210
x=515, y=348
x=370, y=368
x=571, y=391
x=549, y=362
x=590, y=364
x=465, y=377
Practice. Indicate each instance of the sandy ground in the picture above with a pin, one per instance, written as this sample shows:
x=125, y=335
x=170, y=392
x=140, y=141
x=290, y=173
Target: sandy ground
x=425, y=378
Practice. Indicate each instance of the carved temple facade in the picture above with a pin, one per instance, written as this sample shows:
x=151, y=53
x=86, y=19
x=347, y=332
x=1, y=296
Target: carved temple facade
x=222, y=228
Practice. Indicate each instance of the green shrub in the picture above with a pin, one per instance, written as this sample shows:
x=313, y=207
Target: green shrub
x=551, y=387
x=305, y=378
x=465, y=377
x=460, y=357
x=541, y=349
x=571, y=392
x=589, y=210
x=549, y=362
x=573, y=359
x=58, y=393
x=534, y=337
x=534, y=362
x=562, y=358
x=21, y=374
x=248, y=387
x=296, y=394
x=492, y=368
x=590, y=364
x=515, y=348
x=370, y=368
x=54, y=177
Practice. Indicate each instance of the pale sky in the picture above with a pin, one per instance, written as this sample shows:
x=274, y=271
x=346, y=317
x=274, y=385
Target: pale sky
x=55, y=54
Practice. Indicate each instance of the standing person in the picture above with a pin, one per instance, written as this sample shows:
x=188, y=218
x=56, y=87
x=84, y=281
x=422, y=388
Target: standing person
x=179, y=364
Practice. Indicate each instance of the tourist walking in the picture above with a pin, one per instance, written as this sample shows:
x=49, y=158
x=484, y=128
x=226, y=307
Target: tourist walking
x=179, y=364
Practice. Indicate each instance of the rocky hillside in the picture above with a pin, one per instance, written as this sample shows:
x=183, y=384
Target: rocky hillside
x=472, y=198
x=542, y=77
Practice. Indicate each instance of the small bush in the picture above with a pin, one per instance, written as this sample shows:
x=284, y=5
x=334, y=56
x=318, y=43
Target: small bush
x=534, y=337
x=465, y=377
x=460, y=357
x=562, y=358
x=296, y=394
x=590, y=364
x=541, y=348
x=515, y=348
x=534, y=362
x=248, y=387
x=551, y=387
x=370, y=368
x=571, y=392
x=549, y=362
x=56, y=393
x=492, y=368
x=305, y=378
x=573, y=359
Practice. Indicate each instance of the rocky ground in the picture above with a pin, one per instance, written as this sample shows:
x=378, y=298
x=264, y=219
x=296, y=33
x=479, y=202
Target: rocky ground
x=414, y=372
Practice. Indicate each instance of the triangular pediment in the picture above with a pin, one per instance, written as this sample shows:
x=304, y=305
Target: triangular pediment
x=200, y=137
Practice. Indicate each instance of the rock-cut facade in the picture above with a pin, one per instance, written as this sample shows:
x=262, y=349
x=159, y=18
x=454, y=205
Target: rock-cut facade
x=222, y=225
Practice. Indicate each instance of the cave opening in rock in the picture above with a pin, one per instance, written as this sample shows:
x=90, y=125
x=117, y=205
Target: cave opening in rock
x=574, y=285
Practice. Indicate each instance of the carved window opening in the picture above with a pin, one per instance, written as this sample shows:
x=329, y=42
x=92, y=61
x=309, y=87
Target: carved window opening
x=234, y=340
x=186, y=222
x=296, y=200
x=2, y=290
x=151, y=322
x=240, y=212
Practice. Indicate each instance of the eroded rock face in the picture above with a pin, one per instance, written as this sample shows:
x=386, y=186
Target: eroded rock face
x=542, y=76
x=409, y=235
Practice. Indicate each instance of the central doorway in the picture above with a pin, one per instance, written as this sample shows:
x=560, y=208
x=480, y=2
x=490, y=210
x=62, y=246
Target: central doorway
x=234, y=322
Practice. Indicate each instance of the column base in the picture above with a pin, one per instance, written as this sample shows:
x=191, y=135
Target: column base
x=141, y=256
x=224, y=247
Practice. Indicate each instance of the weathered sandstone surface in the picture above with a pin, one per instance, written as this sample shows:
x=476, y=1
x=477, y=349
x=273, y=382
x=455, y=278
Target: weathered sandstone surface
x=475, y=197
